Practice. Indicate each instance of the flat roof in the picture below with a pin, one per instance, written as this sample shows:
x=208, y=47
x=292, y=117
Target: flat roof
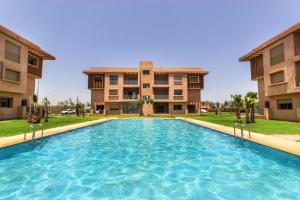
x=258, y=50
x=33, y=48
x=95, y=70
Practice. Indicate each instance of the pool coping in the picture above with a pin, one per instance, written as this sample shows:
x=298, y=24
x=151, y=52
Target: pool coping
x=17, y=139
x=291, y=147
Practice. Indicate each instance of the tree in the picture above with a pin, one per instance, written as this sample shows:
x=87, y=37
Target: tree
x=247, y=101
x=140, y=104
x=46, y=103
x=237, y=103
x=149, y=102
x=253, y=100
x=35, y=101
x=217, y=108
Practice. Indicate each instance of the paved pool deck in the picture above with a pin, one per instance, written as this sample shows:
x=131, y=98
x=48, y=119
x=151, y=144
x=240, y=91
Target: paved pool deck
x=276, y=142
x=16, y=139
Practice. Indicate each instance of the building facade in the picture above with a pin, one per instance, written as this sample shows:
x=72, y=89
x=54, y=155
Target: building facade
x=21, y=63
x=173, y=90
x=275, y=65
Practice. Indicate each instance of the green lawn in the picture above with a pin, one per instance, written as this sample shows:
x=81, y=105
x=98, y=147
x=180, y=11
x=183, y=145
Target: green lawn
x=268, y=127
x=18, y=126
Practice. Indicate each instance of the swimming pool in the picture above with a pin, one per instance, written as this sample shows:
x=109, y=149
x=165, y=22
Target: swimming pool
x=147, y=159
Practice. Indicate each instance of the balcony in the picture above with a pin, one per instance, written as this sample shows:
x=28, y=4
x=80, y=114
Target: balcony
x=161, y=96
x=130, y=82
x=130, y=96
x=161, y=79
x=297, y=43
x=297, y=78
x=178, y=97
x=161, y=82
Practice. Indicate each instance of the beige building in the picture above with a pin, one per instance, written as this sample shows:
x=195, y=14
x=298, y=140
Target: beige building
x=21, y=63
x=173, y=90
x=275, y=65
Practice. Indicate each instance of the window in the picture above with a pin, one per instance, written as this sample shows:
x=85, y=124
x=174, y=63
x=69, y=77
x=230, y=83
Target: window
x=146, y=72
x=178, y=92
x=24, y=102
x=12, y=75
x=146, y=97
x=277, y=77
x=12, y=52
x=32, y=60
x=113, y=92
x=177, y=107
x=6, y=102
x=146, y=85
x=113, y=79
x=277, y=54
x=97, y=78
x=113, y=106
x=193, y=79
x=284, y=104
x=178, y=79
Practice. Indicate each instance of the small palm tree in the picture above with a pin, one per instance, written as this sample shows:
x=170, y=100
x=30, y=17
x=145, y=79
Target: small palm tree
x=140, y=104
x=149, y=102
x=253, y=100
x=237, y=103
x=247, y=101
x=34, y=100
x=46, y=103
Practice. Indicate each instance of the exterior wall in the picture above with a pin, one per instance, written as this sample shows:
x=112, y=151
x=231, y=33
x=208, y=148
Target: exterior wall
x=291, y=115
x=287, y=89
x=189, y=96
x=19, y=91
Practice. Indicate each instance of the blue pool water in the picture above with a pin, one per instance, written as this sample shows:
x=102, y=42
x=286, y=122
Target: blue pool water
x=147, y=159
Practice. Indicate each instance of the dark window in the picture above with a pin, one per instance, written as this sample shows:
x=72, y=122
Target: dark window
x=277, y=77
x=267, y=104
x=177, y=79
x=113, y=79
x=146, y=85
x=12, y=75
x=277, y=54
x=97, y=78
x=6, y=102
x=24, y=102
x=32, y=60
x=113, y=92
x=178, y=92
x=146, y=72
x=12, y=52
x=177, y=107
x=114, y=106
x=284, y=104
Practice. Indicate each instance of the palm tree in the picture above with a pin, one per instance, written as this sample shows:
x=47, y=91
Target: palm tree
x=149, y=102
x=253, y=100
x=34, y=100
x=46, y=105
x=247, y=101
x=140, y=103
x=237, y=103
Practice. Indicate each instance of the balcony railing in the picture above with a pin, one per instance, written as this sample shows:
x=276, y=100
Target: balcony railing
x=161, y=82
x=130, y=96
x=161, y=96
x=130, y=82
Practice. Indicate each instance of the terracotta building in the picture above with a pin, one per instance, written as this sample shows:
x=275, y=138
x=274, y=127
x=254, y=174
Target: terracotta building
x=275, y=65
x=173, y=90
x=21, y=63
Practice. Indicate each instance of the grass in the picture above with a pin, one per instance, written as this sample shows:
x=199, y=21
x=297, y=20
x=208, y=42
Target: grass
x=268, y=127
x=18, y=126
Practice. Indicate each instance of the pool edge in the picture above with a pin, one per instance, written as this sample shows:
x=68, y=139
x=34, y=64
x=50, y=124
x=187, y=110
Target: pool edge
x=18, y=139
x=266, y=140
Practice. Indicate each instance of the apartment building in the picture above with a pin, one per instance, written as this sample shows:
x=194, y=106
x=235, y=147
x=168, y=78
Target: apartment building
x=275, y=65
x=21, y=63
x=173, y=90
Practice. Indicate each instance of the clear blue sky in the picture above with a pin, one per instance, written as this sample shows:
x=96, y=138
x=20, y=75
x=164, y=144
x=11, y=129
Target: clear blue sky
x=210, y=34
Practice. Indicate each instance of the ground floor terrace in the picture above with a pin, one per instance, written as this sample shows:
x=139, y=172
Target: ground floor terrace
x=169, y=108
